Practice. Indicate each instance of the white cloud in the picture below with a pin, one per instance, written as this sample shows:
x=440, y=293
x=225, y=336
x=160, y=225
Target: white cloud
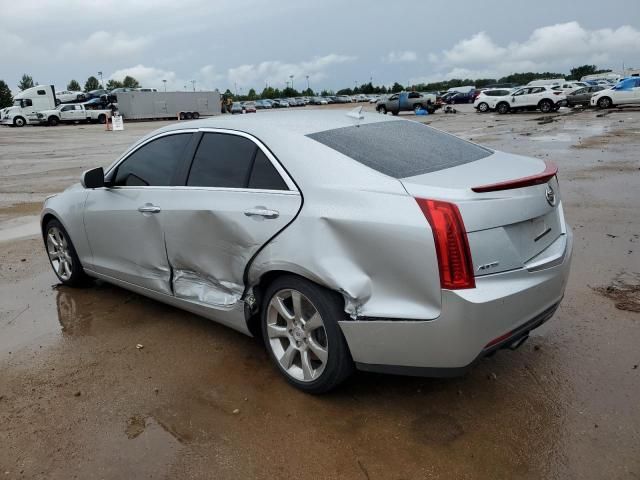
x=276, y=73
x=150, y=77
x=550, y=48
x=103, y=44
x=400, y=56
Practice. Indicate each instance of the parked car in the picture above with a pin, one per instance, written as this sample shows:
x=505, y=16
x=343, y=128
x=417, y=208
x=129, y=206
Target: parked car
x=72, y=114
x=439, y=282
x=236, y=107
x=280, y=103
x=263, y=104
x=318, y=101
x=249, y=107
x=568, y=87
x=96, y=93
x=343, y=99
x=625, y=92
x=542, y=98
x=488, y=99
x=67, y=96
x=406, y=102
x=582, y=96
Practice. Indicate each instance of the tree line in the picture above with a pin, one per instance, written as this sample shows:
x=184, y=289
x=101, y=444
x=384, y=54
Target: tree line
x=92, y=83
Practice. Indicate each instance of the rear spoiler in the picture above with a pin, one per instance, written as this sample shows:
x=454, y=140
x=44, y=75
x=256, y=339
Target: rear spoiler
x=550, y=171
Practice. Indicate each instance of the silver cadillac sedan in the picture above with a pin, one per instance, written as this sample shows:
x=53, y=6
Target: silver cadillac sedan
x=345, y=241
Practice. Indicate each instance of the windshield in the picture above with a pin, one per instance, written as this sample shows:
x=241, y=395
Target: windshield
x=17, y=103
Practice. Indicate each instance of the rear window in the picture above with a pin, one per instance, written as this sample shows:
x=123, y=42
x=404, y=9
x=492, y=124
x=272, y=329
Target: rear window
x=401, y=149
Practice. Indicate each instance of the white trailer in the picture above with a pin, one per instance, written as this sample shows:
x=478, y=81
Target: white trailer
x=168, y=105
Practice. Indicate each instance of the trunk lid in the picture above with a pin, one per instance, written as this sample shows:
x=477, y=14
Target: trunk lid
x=506, y=227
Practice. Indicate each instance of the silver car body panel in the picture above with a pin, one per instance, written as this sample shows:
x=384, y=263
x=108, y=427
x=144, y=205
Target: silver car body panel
x=340, y=224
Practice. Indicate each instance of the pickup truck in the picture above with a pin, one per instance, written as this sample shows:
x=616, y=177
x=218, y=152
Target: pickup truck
x=406, y=102
x=71, y=114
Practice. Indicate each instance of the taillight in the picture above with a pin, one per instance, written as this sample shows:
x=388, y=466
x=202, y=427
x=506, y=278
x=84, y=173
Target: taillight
x=452, y=246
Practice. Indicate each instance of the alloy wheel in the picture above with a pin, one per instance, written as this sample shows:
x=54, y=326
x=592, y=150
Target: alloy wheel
x=59, y=253
x=297, y=335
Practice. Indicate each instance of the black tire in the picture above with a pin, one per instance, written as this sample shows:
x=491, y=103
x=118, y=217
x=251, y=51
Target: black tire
x=78, y=277
x=102, y=118
x=52, y=121
x=329, y=305
x=605, y=102
x=188, y=116
x=483, y=107
x=182, y=116
x=382, y=109
x=503, y=107
x=196, y=115
x=19, y=122
x=395, y=113
x=545, y=106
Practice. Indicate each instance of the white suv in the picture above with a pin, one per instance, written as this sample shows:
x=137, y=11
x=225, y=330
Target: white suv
x=626, y=91
x=488, y=99
x=541, y=97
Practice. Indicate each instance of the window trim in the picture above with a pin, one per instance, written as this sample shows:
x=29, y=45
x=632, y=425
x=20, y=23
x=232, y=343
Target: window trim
x=292, y=188
x=186, y=162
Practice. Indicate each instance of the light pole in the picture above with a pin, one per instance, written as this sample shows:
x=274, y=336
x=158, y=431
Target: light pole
x=100, y=75
x=307, y=83
x=193, y=83
x=235, y=85
x=291, y=77
x=165, y=85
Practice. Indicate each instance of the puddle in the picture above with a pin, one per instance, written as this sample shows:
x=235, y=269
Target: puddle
x=20, y=227
x=624, y=290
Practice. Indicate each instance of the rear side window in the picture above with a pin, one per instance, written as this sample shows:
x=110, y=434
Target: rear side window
x=399, y=148
x=222, y=161
x=264, y=175
x=153, y=164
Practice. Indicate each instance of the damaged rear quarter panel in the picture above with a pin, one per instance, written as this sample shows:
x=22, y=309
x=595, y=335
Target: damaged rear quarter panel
x=374, y=247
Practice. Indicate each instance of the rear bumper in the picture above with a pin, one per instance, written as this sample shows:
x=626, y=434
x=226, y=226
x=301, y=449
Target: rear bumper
x=507, y=305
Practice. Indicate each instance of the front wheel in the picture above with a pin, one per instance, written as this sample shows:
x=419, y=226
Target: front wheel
x=19, y=122
x=62, y=255
x=301, y=333
x=53, y=121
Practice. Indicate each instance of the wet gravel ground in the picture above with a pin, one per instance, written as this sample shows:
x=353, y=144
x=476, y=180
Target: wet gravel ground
x=79, y=400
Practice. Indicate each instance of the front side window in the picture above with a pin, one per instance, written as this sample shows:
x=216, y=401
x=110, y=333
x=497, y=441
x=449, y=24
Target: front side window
x=153, y=164
x=41, y=92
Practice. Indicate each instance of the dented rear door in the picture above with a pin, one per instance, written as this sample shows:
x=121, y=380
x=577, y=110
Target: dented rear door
x=236, y=199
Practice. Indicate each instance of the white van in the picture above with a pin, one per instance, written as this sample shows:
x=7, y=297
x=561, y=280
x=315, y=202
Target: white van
x=545, y=81
x=27, y=104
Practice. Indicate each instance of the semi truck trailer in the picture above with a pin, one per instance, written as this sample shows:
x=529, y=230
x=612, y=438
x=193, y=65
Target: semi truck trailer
x=137, y=105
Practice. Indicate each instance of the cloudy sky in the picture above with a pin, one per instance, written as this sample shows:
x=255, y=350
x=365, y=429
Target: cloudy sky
x=249, y=43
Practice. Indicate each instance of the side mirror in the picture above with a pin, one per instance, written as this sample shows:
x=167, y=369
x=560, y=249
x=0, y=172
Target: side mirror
x=93, y=178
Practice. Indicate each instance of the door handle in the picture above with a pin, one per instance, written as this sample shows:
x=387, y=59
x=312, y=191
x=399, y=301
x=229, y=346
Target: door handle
x=148, y=208
x=262, y=212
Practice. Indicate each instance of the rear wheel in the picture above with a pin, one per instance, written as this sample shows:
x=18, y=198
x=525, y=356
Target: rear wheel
x=62, y=255
x=382, y=109
x=19, y=122
x=182, y=116
x=188, y=116
x=503, y=108
x=545, y=106
x=483, y=107
x=301, y=333
x=196, y=115
x=605, y=102
x=102, y=118
x=417, y=106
